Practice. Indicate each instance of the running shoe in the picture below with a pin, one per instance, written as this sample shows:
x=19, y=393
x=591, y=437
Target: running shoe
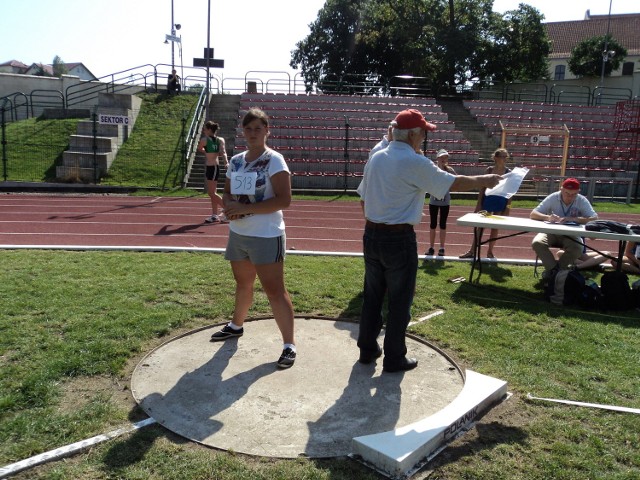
x=287, y=358
x=226, y=333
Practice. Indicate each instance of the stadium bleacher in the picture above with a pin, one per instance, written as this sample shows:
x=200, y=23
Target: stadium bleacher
x=326, y=139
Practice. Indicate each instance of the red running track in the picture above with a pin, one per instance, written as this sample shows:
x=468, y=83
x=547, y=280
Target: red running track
x=147, y=223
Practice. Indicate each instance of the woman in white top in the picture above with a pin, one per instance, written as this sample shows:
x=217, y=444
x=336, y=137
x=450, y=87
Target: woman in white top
x=257, y=188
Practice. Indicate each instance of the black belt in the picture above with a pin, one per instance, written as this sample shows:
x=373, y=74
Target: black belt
x=384, y=227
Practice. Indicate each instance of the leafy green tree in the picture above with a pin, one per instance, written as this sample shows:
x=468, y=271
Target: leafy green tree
x=465, y=41
x=39, y=71
x=520, y=47
x=329, y=49
x=59, y=68
x=444, y=42
x=586, y=57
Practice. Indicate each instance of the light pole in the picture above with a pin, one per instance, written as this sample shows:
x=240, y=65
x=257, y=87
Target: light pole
x=208, y=47
x=606, y=52
x=173, y=34
x=173, y=39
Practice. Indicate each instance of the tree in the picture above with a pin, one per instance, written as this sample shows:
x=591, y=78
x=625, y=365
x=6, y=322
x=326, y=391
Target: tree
x=520, y=47
x=39, y=71
x=444, y=42
x=329, y=49
x=465, y=41
x=586, y=57
x=59, y=68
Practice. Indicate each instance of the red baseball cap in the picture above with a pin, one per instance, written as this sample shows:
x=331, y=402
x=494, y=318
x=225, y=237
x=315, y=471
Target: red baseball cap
x=571, y=184
x=408, y=119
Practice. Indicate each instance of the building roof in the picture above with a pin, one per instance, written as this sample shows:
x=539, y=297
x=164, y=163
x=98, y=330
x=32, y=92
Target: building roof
x=47, y=69
x=14, y=63
x=71, y=66
x=625, y=29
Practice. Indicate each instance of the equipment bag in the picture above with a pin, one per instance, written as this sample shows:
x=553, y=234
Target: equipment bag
x=609, y=226
x=616, y=291
x=591, y=297
x=568, y=286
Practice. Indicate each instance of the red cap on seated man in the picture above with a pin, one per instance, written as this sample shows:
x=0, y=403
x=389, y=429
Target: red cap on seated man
x=571, y=184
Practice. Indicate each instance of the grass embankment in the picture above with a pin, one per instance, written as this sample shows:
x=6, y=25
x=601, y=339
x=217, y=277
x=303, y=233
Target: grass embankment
x=73, y=325
x=34, y=147
x=150, y=158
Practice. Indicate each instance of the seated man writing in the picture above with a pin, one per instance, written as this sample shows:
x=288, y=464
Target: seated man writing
x=565, y=206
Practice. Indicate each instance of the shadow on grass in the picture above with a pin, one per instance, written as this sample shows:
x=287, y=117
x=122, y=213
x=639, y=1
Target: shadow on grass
x=533, y=303
x=434, y=266
x=353, y=308
x=132, y=450
x=489, y=436
x=497, y=273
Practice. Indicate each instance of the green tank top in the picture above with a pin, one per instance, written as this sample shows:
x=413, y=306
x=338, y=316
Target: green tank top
x=213, y=145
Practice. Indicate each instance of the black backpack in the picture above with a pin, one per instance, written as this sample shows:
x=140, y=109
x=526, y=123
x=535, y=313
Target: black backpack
x=616, y=291
x=565, y=287
x=591, y=297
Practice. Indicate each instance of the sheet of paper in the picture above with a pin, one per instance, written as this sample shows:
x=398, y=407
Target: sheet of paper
x=509, y=184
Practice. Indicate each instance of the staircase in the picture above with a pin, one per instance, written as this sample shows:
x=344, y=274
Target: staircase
x=475, y=133
x=90, y=152
x=224, y=110
x=479, y=138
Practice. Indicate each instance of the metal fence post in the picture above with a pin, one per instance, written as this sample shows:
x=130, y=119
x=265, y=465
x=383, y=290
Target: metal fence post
x=346, y=150
x=95, y=145
x=183, y=151
x=4, y=146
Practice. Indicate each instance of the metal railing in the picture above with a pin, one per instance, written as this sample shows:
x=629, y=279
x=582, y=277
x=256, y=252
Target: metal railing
x=13, y=107
x=47, y=98
x=192, y=136
x=558, y=93
x=576, y=94
x=610, y=96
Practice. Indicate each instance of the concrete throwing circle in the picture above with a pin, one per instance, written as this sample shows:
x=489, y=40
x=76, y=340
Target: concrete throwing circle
x=230, y=395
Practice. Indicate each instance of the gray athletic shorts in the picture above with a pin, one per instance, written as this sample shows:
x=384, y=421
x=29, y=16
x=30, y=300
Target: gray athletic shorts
x=258, y=250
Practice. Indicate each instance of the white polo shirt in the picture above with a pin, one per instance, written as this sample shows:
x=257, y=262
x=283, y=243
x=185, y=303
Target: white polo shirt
x=395, y=182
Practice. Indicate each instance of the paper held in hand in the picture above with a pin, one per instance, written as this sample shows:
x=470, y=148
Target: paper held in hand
x=510, y=183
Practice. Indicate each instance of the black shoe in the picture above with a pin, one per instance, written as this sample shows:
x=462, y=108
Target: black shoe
x=431, y=251
x=226, y=333
x=404, y=365
x=441, y=252
x=367, y=358
x=287, y=358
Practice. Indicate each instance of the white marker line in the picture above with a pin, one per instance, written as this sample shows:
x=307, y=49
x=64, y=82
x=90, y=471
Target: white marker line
x=615, y=408
x=67, y=450
x=427, y=317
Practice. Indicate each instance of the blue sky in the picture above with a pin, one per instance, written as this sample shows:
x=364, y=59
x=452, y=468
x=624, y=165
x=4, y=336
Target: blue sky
x=250, y=35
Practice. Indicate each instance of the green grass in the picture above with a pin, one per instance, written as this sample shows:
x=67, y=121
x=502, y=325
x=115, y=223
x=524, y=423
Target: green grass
x=78, y=321
x=34, y=146
x=150, y=158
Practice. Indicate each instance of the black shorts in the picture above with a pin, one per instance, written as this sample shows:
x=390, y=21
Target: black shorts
x=212, y=172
